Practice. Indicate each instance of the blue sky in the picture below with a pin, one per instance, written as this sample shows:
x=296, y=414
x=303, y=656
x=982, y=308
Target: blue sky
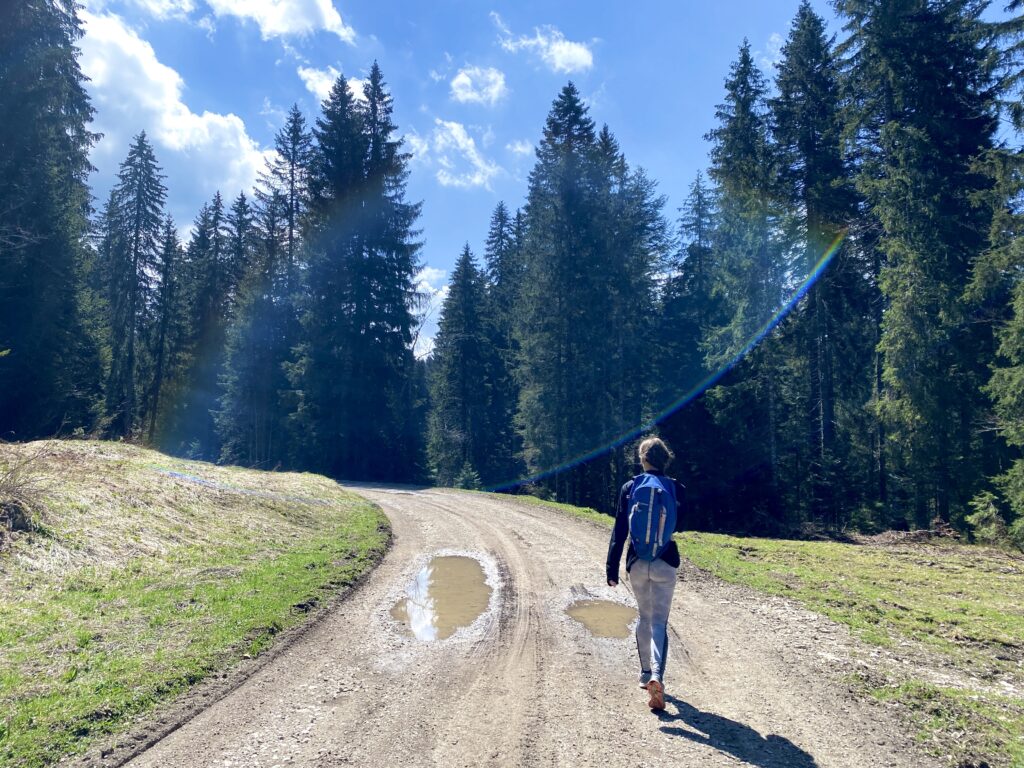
x=210, y=82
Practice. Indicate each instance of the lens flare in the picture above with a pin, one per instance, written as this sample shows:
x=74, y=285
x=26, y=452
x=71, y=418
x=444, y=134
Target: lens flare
x=700, y=387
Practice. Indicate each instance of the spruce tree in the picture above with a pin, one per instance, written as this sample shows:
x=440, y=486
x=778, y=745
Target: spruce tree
x=51, y=371
x=504, y=279
x=593, y=234
x=359, y=391
x=832, y=325
x=688, y=310
x=743, y=168
x=458, y=439
x=251, y=419
x=385, y=291
x=924, y=117
x=242, y=243
x=323, y=373
x=561, y=237
x=287, y=175
x=211, y=288
x=636, y=246
x=751, y=275
x=168, y=322
x=1007, y=391
x=132, y=226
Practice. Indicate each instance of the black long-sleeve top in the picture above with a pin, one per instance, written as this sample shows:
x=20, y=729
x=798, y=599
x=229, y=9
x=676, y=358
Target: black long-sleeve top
x=620, y=532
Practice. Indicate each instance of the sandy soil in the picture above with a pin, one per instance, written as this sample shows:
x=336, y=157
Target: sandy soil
x=751, y=681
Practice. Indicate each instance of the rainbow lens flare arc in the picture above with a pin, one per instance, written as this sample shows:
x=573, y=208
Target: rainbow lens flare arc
x=700, y=387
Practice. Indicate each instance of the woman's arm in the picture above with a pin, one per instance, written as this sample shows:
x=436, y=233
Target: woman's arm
x=620, y=532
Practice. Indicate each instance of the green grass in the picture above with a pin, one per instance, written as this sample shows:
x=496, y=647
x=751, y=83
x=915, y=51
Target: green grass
x=583, y=512
x=977, y=727
x=954, y=598
x=148, y=582
x=948, y=603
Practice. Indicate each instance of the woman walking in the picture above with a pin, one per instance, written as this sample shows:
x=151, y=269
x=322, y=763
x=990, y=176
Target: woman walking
x=647, y=515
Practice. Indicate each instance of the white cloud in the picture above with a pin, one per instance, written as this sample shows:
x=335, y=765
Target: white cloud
x=208, y=25
x=432, y=285
x=284, y=18
x=320, y=81
x=454, y=153
x=166, y=9
x=276, y=115
x=424, y=345
x=358, y=88
x=418, y=146
x=479, y=85
x=437, y=74
x=431, y=279
x=520, y=147
x=500, y=24
x=560, y=54
x=460, y=162
x=133, y=91
x=770, y=57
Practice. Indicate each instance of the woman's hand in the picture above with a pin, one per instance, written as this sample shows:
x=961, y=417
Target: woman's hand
x=612, y=583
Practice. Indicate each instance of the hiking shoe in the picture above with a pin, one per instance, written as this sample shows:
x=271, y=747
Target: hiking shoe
x=645, y=678
x=657, y=691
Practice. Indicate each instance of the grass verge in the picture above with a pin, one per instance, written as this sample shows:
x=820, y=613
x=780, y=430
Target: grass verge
x=950, y=605
x=145, y=575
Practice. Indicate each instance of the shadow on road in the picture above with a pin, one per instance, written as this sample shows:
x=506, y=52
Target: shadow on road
x=734, y=738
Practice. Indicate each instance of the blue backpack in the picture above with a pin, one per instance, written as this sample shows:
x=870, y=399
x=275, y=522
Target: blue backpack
x=652, y=515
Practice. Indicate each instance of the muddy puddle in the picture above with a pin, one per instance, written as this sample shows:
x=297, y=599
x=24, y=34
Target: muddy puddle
x=450, y=592
x=603, y=618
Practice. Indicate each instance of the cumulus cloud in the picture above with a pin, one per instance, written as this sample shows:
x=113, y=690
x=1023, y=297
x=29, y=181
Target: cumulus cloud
x=479, y=85
x=285, y=18
x=520, y=147
x=320, y=81
x=558, y=53
x=133, y=91
x=358, y=88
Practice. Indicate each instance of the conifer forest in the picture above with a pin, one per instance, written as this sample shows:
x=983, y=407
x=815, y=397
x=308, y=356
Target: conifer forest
x=829, y=331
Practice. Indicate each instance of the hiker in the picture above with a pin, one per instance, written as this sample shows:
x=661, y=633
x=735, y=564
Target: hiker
x=647, y=515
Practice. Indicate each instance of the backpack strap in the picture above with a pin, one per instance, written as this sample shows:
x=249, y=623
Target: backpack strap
x=671, y=484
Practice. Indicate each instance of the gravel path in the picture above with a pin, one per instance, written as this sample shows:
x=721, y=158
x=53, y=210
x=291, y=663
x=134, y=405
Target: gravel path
x=751, y=681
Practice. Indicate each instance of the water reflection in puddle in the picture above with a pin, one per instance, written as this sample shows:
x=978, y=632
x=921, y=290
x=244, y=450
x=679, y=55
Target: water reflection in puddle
x=450, y=592
x=603, y=618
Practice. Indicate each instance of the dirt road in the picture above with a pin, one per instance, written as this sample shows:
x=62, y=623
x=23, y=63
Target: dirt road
x=750, y=681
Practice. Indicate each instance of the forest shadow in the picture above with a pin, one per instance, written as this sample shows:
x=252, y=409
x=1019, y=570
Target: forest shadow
x=740, y=741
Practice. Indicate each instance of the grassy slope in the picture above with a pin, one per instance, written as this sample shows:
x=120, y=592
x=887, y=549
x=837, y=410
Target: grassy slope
x=147, y=574
x=953, y=604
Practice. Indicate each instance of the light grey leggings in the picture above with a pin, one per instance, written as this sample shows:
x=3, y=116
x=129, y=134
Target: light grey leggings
x=653, y=584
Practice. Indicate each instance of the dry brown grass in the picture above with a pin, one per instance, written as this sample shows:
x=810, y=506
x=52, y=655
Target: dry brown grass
x=21, y=486
x=142, y=574
x=104, y=505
